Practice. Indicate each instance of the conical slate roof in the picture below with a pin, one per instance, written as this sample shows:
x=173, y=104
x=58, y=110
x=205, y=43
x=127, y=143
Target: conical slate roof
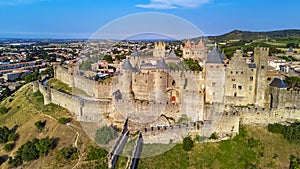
x=127, y=65
x=172, y=55
x=136, y=68
x=223, y=56
x=214, y=57
x=279, y=83
x=162, y=64
x=135, y=52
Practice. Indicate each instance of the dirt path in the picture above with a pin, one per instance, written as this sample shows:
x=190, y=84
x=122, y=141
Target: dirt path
x=71, y=126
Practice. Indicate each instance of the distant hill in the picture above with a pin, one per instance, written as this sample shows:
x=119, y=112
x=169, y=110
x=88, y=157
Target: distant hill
x=248, y=35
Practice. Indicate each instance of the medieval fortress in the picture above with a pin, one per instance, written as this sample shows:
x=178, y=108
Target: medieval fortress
x=225, y=94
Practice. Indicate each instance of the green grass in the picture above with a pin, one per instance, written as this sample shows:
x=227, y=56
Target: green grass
x=59, y=85
x=269, y=151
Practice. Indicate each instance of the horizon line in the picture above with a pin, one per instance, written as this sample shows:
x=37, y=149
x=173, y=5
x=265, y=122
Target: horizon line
x=87, y=38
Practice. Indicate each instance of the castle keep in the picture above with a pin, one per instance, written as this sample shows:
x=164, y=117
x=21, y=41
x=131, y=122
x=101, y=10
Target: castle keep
x=150, y=94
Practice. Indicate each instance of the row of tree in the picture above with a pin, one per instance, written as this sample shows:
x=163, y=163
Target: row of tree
x=7, y=135
x=291, y=133
x=32, y=150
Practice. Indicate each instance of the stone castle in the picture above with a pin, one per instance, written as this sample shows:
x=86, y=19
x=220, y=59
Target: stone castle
x=147, y=92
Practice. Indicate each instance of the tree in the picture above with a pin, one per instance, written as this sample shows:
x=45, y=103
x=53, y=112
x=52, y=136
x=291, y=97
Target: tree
x=12, y=137
x=188, y=143
x=108, y=58
x=48, y=71
x=276, y=128
x=9, y=147
x=63, y=120
x=292, y=82
x=192, y=64
x=14, y=162
x=44, y=146
x=69, y=152
x=31, y=150
x=4, y=132
x=214, y=136
x=3, y=110
x=105, y=134
x=86, y=65
x=40, y=125
x=96, y=153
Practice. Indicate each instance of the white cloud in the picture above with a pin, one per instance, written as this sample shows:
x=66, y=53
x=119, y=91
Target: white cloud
x=171, y=4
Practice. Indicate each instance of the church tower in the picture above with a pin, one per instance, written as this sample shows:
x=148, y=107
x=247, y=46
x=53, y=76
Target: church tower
x=159, y=49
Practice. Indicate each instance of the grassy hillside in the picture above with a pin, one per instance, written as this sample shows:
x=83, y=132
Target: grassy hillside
x=25, y=108
x=253, y=148
x=248, y=36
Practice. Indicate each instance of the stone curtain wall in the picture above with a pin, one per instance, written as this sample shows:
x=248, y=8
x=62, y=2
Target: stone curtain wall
x=266, y=116
x=87, y=110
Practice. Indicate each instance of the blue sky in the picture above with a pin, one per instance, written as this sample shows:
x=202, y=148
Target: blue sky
x=81, y=18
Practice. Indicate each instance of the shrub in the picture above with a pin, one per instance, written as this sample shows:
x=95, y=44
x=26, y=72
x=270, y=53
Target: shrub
x=9, y=147
x=63, y=120
x=31, y=150
x=14, y=162
x=276, y=128
x=40, y=125
x=105, y=134
x=69, y=152
x=214, y=136
x=4, y=132
x=96, y=153
x=10, y=99
x=12, y=137
x=253, y=143
x=188, y=143
x=3, y=110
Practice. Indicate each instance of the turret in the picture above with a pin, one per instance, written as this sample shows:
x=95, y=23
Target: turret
x=125, y=80
x=215, y=77
x=261, y=60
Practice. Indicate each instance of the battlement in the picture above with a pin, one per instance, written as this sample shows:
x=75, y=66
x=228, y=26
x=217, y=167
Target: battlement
x=105, y=84
x=160, y=129
x=185, y=71
x=240, y=110
x=148, y=103
x=262, y=48
x=293, y=92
